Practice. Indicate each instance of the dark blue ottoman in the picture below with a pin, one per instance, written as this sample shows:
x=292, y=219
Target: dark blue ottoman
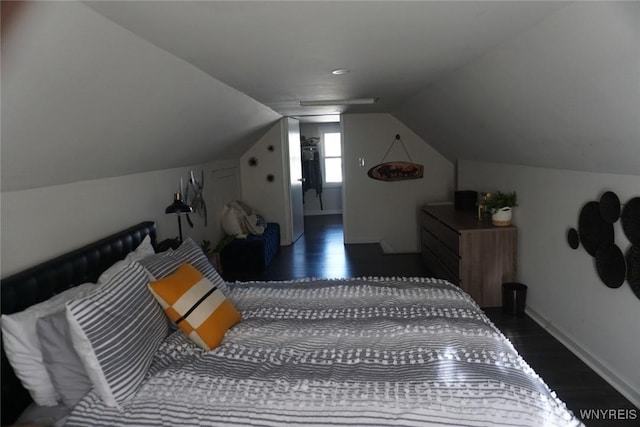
x=254, y=253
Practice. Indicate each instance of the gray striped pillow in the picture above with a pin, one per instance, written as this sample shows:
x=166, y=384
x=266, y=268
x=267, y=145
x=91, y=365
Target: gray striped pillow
x=190, y=252
x=116, y=331
x=160, y=265
x=165, y=263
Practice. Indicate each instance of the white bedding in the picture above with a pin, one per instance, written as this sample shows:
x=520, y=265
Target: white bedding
x=341, y=352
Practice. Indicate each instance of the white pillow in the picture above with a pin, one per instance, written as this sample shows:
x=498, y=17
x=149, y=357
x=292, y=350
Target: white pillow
x=144, y=250
x=112, y=271
x=23, y=348
x=116, y=330
x=230, y=222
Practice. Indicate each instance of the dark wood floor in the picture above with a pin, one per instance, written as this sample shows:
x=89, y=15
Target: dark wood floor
x=320, y=252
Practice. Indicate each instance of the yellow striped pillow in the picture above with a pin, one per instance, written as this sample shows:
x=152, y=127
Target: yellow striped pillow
x=196, y=305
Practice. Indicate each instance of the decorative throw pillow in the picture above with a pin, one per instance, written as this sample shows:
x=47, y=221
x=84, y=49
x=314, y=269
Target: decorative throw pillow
x=196, y=305
x=239, y=220
x=250, y=221
x=116, y=330
x=61, y=361
x=22, y=346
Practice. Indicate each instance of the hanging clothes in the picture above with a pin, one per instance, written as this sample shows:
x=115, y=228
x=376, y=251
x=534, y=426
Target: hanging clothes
x=311, y=172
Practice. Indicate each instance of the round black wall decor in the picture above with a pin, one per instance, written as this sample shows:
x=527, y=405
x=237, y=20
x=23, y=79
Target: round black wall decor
x=633, y=269
x=631, y=220
x=592, y=229
x=610, y=264
x=609, y=207
x=573, y=238
x=271, y=177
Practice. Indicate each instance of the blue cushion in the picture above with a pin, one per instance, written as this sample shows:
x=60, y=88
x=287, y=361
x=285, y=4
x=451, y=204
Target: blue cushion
x=253, y=253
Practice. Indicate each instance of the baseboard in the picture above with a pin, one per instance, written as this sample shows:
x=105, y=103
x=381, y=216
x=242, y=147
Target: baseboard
x=599, y=367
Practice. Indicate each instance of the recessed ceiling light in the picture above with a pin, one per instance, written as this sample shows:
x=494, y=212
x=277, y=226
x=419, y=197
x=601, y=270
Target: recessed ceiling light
x=324, y=102
x=339, y=71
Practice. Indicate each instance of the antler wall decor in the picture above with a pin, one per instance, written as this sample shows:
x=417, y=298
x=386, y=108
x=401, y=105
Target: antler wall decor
x=195, y=197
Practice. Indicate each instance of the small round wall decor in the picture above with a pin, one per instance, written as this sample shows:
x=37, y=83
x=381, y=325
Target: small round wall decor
x=593, y=230
x=573, y=238
x=631, y=220
x=610, y=207
x=611, y=265
x=253, y=162
x=271, y=177
x=633, y=269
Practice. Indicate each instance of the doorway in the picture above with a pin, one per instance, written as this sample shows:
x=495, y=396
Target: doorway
x=321, y=151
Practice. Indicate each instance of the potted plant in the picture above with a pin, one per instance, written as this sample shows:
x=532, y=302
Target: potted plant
x=500, y=205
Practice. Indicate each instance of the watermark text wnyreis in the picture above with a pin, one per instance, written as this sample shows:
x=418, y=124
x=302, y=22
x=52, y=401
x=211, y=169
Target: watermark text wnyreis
x=609, y=414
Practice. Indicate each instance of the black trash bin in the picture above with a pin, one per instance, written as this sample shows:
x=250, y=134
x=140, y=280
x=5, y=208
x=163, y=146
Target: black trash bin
x=514, y=298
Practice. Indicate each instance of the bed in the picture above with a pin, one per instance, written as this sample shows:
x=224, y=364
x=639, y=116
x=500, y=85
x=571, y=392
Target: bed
x=360, y=351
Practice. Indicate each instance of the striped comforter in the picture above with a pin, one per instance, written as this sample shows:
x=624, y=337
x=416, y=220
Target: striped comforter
x=366, y=352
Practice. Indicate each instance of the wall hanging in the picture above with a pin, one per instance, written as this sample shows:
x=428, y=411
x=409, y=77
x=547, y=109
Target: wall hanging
x=631, y=220
x=396, y=171
x=592, y=229
x=597, y=234
x=573, y=238
x=194, y=197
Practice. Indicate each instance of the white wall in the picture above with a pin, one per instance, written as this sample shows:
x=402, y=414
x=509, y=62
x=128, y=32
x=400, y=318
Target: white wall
x=41, y=223
x=222, y=188
x=266, y=197
x=331, y=193
x=601, y=325
x=386, y=212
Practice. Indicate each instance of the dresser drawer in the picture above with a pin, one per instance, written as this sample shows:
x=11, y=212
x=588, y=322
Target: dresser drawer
x=430, y=223
x=450, y=260
x=430, y=241
x=437, y=268
x=438, y=250
x=450, y=237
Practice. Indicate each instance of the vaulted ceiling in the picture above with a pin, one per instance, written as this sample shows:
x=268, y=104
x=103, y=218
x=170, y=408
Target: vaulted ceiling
x=133, y=86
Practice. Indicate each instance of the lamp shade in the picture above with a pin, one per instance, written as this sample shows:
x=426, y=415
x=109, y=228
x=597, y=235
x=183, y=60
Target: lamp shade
x=178, y=206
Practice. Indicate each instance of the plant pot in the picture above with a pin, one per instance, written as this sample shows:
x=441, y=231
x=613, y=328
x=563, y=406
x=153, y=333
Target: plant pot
x=502, y=217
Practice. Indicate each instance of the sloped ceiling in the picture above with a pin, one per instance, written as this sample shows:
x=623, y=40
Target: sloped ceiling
x=564, y=94
x=84, y=99
x=98, y=89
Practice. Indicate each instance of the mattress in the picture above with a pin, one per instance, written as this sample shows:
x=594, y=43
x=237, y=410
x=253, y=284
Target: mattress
x=365, y=351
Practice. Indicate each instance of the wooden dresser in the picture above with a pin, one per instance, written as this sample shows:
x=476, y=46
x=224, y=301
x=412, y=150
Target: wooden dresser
x=467, y=252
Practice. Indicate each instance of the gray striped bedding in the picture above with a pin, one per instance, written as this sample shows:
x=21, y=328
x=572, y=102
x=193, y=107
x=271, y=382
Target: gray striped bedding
x=353, y=352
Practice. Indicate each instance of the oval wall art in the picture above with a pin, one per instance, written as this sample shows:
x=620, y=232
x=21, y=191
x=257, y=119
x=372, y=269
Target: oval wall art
x=611, y=265
x=610, y=207
x=631, y=220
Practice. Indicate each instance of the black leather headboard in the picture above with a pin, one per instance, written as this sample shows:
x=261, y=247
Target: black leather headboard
x=42, y=281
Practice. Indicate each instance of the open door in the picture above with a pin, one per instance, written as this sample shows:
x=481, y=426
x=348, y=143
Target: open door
x=292, y=134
